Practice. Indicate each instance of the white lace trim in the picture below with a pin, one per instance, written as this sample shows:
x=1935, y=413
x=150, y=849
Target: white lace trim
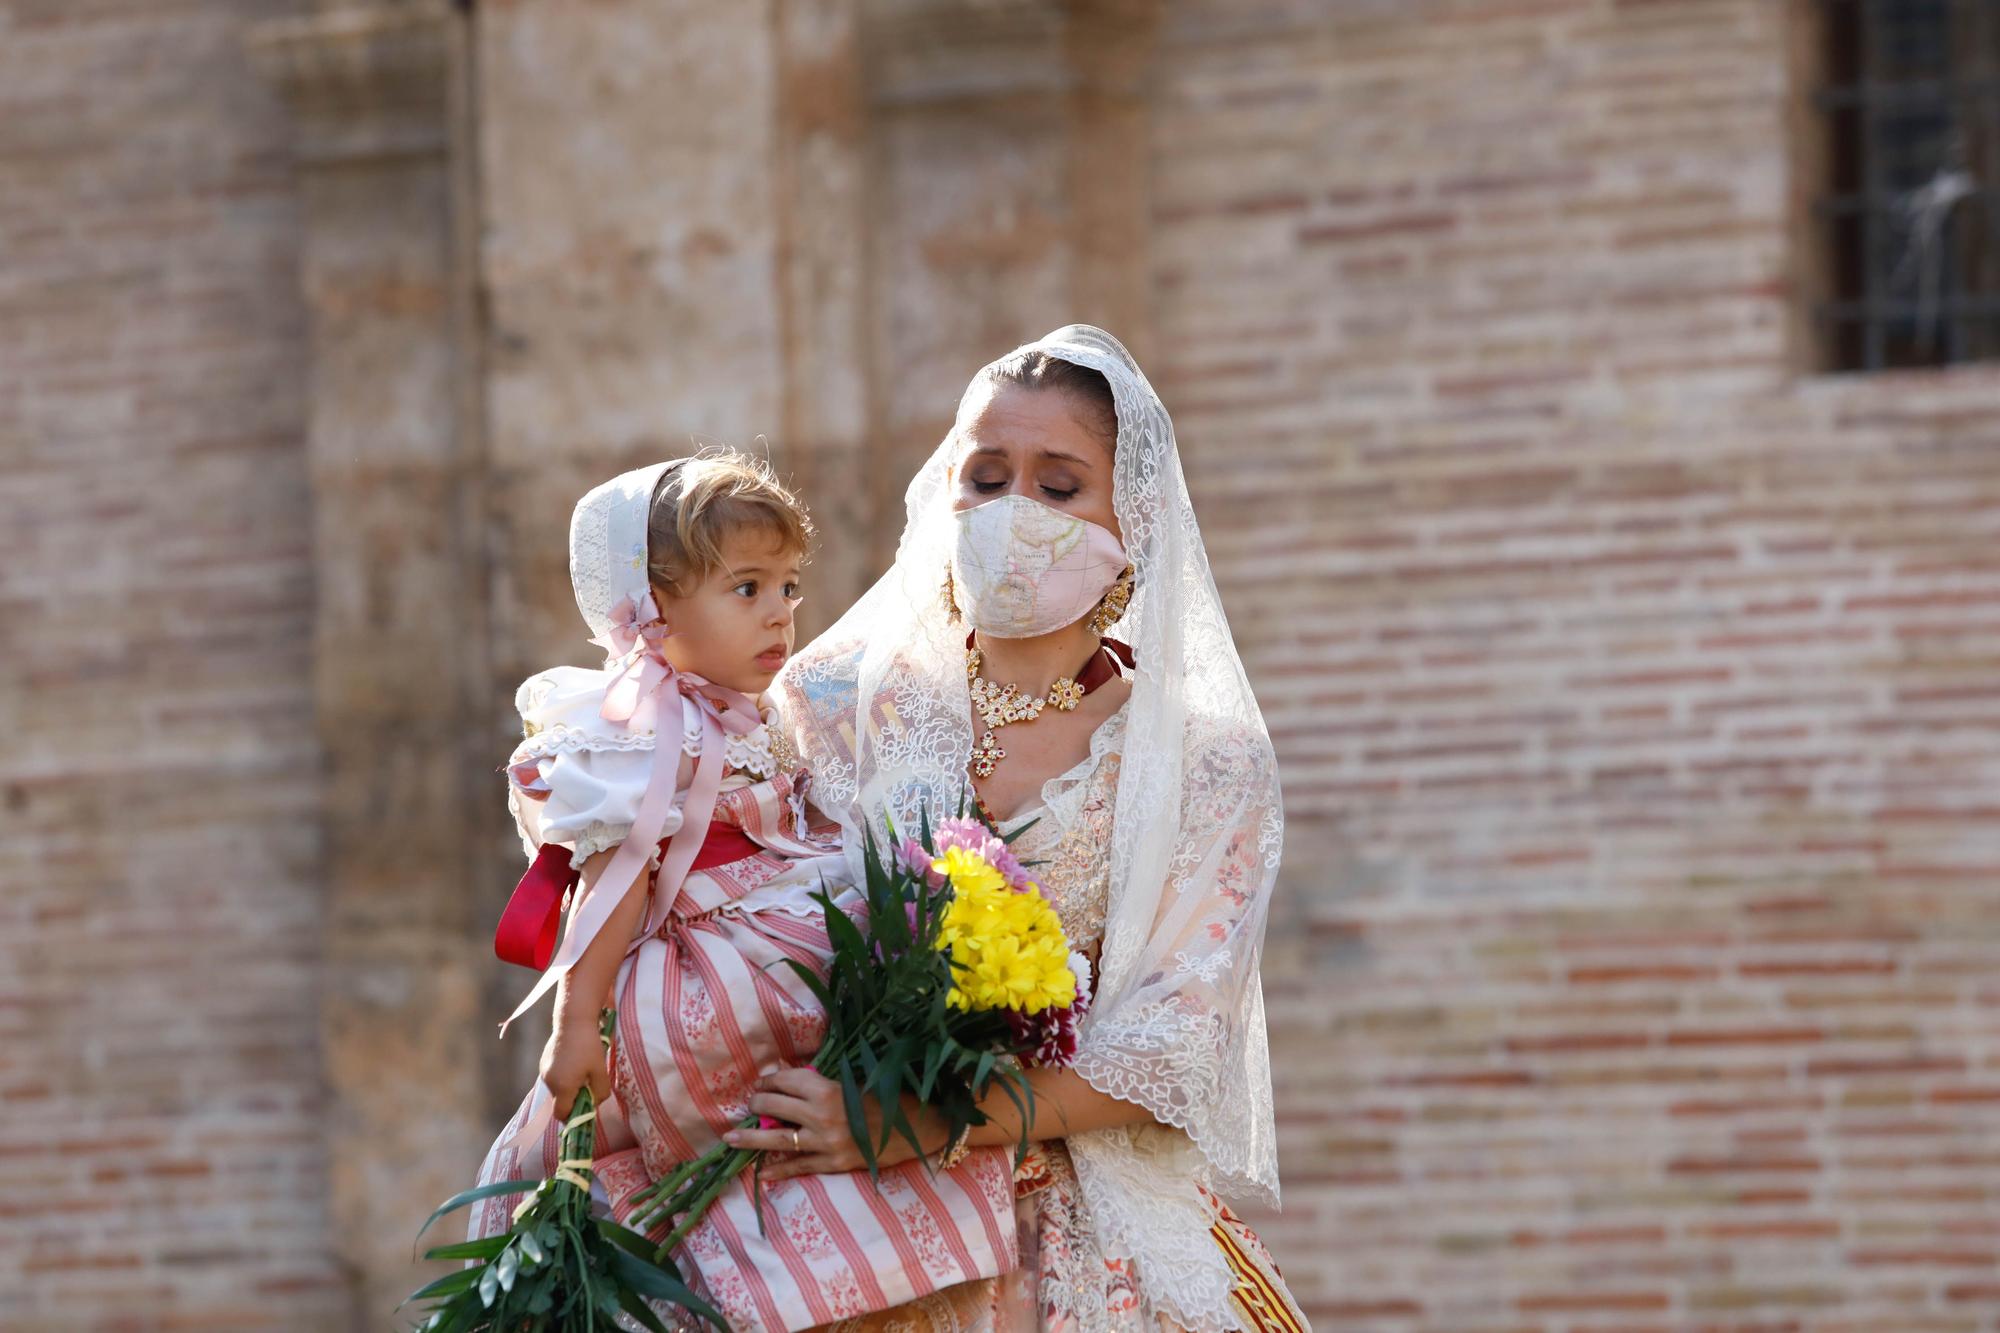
x=607, y=544
x=597, y=837
x=561, y=738
x=752, y=753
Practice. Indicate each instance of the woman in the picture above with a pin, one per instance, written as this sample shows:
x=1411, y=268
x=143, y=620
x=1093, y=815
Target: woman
x=1150, y=802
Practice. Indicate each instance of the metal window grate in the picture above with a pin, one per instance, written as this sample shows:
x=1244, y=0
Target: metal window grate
x=1912, y=213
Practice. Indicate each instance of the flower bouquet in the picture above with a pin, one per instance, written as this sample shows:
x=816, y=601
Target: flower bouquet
x=558, y=1269
x=952, y=974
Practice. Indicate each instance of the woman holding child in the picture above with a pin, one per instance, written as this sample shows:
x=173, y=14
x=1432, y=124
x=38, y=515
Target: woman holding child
x=1053, y=517
x=1049, y=641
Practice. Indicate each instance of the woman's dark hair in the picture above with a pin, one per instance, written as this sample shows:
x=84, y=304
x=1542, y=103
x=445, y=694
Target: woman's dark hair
x=1089, y=392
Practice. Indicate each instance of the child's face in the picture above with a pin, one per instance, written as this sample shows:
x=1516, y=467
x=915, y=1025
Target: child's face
x=735, y=627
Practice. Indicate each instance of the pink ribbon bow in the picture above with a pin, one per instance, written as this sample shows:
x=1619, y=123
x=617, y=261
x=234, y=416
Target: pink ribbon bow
x=630, y=696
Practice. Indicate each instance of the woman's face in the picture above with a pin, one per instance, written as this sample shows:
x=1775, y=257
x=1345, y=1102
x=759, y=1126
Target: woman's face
x=1019, y=441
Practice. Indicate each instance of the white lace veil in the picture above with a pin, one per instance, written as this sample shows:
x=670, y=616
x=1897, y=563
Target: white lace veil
x=880, y=710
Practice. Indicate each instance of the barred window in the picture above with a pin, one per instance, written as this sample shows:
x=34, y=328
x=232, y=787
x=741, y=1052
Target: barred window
x=1912, y=213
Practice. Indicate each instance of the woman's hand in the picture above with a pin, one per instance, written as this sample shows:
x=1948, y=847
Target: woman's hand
x=575, y=1056
x=811, y=1101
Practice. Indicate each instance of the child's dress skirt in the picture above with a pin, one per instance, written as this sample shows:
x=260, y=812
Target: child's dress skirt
x=705, y=1007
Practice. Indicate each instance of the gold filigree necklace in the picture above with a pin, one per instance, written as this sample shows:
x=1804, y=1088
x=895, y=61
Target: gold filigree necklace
x=1002, y=705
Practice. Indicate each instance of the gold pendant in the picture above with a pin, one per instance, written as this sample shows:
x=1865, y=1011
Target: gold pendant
x=986, y=756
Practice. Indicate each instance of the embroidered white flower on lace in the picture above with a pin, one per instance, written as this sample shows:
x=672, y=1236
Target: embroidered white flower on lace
x=1206, y=966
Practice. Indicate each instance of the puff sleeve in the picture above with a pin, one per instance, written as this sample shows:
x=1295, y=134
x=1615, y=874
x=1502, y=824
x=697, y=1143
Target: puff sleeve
x=574, y=779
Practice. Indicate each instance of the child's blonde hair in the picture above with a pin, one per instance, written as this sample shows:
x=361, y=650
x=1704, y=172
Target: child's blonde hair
x=699, y=503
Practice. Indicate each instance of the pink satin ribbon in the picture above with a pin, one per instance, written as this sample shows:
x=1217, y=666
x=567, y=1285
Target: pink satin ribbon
x=631, y=698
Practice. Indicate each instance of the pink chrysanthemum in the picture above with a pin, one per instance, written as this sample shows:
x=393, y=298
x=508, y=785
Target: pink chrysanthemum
x=918, y=862
x=974, y=837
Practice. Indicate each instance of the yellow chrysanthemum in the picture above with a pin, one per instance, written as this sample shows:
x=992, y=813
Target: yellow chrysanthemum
x=967, y=869
x=1007, y=948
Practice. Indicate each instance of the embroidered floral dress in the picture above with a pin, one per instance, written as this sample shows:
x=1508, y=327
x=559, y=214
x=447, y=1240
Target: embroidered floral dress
x=1066, y=1284
x=705, y=1007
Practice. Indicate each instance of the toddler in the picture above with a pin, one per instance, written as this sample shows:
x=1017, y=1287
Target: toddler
x=661, y=794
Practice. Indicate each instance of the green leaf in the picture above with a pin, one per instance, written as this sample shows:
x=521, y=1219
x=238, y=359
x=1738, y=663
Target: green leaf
x=1021, y=1093
x=649, y=1280
x=628, y=1240
x=857, y=1118
x=508, y=1265
x=1009, y=838
x=886, y=1082
x=489, y=1285
x=845, y=936
x=813, y=982
x=641, y=1313
x=448, y=1285
x=457, y=1316
x=927, y=1080
x=474, y=1196
x=469, y=1249
x=532, y=1250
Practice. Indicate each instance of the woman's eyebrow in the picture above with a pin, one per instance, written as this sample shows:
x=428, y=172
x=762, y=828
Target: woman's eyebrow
x=1056, y=454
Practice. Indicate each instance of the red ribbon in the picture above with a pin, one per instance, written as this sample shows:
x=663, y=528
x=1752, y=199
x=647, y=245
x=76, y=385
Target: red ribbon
x=527, y=930
x=532, y=919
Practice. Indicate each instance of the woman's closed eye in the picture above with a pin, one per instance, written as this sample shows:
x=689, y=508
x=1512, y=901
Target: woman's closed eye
x=1053, y=492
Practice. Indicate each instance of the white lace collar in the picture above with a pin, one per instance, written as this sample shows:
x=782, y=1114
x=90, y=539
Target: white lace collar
x=762, y=752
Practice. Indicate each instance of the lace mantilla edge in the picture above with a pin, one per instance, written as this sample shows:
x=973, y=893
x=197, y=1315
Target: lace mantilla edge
x=1145, y=1208
x=1132, y=1085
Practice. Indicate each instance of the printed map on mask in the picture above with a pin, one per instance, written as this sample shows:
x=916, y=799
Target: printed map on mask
x=1023, y=569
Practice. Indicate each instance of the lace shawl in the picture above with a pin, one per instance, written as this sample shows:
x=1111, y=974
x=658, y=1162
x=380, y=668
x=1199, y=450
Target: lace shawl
x=881, y=715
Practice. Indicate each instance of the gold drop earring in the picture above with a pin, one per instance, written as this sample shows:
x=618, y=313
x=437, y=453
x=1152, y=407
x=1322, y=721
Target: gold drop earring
x=945, y=596
x=1111, y=608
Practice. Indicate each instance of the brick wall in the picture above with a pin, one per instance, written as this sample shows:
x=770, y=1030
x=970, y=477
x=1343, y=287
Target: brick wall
x=160, y=1152
x=1634, y=684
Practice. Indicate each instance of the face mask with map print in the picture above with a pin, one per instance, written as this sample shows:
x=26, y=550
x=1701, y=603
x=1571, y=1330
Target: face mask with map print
x=1021, y=569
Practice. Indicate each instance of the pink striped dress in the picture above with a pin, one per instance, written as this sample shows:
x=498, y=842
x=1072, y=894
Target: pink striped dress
x=705, y=1007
